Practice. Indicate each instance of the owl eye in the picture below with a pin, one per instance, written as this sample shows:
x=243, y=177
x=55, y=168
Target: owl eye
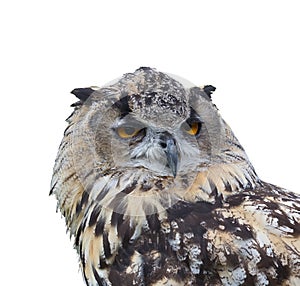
x=192, y=128
x=126, y=132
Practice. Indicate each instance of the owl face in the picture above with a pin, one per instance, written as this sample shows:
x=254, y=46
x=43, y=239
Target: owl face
x=164, y=150
x=152, y=121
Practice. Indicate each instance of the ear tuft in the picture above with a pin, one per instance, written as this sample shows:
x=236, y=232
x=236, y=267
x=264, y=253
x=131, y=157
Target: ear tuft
x=82, y=93
x=209, y=89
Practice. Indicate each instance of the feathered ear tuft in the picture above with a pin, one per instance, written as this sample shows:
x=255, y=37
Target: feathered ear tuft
x=209, y=89
x=82, y=93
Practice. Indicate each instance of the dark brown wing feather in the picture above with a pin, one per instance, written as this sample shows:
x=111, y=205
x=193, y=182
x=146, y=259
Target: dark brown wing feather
x=252, y=238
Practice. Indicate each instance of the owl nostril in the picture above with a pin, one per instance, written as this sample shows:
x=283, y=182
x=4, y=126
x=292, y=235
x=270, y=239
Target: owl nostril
x=163, y=145
x=164, y=138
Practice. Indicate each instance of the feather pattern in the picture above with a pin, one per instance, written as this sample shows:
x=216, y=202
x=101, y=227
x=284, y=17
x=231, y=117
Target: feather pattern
x=215, y=223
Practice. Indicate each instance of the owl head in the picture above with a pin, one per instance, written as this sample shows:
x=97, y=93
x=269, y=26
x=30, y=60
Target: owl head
x=152, y=132
x=149, y=120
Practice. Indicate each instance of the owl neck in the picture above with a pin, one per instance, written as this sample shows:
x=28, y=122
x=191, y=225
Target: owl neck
x=137, y=194
x=221, y=181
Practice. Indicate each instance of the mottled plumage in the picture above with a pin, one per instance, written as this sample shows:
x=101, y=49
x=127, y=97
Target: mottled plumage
x=157, y=190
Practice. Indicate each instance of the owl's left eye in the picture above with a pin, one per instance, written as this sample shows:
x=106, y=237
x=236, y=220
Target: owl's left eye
x=127, y=131
x=192, y=128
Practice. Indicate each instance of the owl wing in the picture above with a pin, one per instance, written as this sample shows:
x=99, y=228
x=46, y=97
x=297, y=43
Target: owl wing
x=260, y=243
x=252, y=238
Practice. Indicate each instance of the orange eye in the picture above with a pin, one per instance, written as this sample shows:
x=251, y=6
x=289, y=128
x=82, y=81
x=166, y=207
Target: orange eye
x=192, y=128
x=127, y=131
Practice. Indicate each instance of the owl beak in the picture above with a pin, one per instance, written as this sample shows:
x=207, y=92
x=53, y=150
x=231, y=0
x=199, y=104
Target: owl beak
x=172, y=155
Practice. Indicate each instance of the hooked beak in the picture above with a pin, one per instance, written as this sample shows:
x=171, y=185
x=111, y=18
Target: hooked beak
x=172, y=155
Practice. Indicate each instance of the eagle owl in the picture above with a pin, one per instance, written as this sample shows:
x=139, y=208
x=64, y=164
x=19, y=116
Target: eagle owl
x=156, y=190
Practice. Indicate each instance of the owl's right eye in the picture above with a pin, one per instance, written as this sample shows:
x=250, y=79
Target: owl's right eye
x=192, y=127
x=127, y=131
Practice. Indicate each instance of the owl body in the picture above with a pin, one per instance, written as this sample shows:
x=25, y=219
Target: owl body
x=157, y=190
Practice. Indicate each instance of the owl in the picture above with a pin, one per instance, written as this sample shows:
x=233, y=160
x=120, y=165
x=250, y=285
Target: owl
x=156, y=190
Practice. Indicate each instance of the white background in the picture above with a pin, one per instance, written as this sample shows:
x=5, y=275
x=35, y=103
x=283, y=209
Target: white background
x=248, y=49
